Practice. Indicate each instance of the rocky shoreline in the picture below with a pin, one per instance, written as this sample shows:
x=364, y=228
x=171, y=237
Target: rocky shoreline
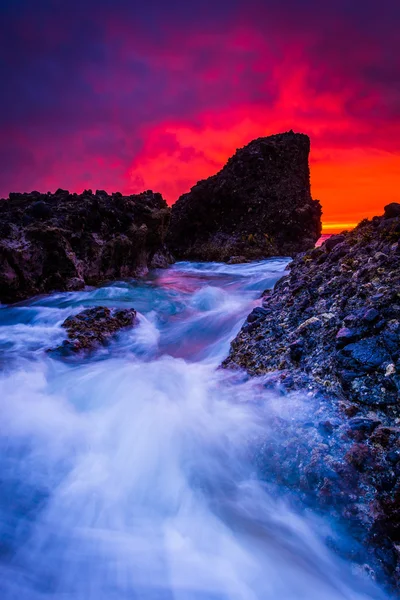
x=331, y=327
x=259, y=205
x=63, y=241
x=338, y=318
x=329, y=331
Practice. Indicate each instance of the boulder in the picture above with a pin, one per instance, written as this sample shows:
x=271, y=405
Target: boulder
x=64, y=241
x=94, y=327
x=392, y=210
x=258, y=205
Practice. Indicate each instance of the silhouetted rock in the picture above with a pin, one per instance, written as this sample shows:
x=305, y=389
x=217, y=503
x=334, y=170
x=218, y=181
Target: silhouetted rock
x=258, y=205
x=64, y=241
x=392, y=210
x=94, y=327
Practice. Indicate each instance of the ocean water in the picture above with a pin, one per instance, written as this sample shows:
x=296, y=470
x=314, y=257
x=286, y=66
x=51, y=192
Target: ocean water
x=131, y=474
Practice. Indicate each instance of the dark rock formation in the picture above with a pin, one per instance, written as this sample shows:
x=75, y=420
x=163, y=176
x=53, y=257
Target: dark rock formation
x=63, y=241
x=94, y=327
x=258, y=205
x=332, y=328
x=334, y=321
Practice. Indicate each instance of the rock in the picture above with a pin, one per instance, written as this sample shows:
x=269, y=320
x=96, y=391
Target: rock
x=64, y=241
x=370, y=315
x=333, y=241
x=296, y=350
x=94, y=327
x=346, y=378
x=40, y=210
x=328, y=426
x=357, y=456
x=311, y=324
x=392, y=210
x=236, y=260
x=345, y=336
x=366, y=354
x=258, y=205
x=162, y=259
x=256, y=314
x=364, y=424
x=385, y=436
x=332, y=331
x=348, y=320
x=393, y=456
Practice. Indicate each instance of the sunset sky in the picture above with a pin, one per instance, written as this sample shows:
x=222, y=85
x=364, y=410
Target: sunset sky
x=126, y=95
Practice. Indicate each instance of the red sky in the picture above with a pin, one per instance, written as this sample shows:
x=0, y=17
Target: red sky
x=116, y=96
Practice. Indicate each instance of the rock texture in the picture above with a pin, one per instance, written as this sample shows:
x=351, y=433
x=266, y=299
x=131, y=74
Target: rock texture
x=94, y=327
x=63, y=241
x=332, y=328
x=334, y=322
x=258, y=205
x=343, y=461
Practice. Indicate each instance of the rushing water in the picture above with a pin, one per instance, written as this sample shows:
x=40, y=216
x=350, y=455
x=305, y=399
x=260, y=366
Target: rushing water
x=131, y=475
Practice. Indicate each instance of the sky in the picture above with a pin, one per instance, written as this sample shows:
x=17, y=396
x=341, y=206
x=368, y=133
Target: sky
x=127, y=96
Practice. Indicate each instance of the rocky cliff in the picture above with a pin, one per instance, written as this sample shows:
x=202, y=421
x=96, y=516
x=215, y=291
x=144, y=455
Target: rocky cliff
x=63, y=241
x=258, y=205
x=331, y=328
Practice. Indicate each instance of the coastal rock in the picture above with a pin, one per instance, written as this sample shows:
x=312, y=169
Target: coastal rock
x=258, y=205
x=94, y=327
x=64, y=241
x=331, y=329
x=392, y=210
x=343, y=301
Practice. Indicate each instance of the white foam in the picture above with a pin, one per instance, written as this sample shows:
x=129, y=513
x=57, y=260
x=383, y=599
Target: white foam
x=131, y=477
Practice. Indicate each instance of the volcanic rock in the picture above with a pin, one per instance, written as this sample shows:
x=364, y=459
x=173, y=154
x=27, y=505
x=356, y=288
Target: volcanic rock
x=331, y=328
x=392, y=210
x=258, y=205
x=343, y=300
x=94, y=327
x=64, y=241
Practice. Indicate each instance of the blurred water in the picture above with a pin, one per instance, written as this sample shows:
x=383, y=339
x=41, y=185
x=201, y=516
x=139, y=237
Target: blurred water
x=132, y=475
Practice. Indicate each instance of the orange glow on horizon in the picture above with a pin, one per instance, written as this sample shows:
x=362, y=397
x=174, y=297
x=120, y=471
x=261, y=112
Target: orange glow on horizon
x=337, y=227
x=247, y=85
x=351, y=184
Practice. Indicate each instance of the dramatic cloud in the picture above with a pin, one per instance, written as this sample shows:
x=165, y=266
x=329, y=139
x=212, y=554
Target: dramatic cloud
x=123, y=95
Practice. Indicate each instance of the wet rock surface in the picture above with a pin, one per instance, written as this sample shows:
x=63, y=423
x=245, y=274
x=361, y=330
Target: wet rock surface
x=345, y=467
x=94, y=327
x=332, y=328
x=334, y=322
x=258, y=205
x=64, y=241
